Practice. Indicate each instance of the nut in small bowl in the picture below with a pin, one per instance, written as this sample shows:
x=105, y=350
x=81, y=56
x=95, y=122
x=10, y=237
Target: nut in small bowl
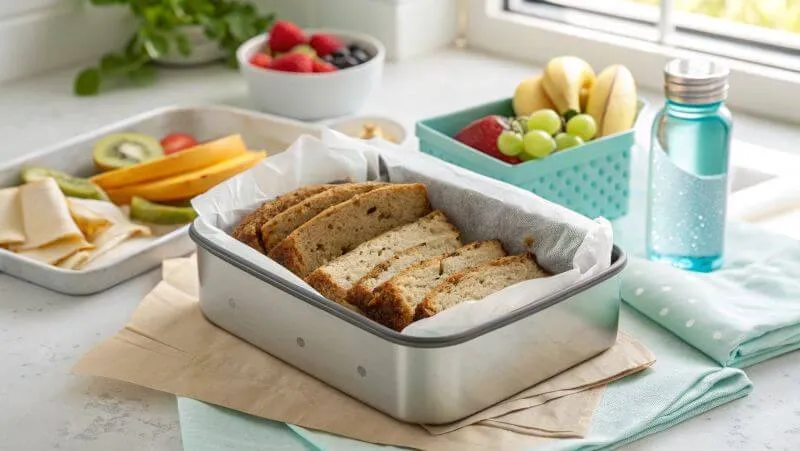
x=368, y=127
x=312, y=95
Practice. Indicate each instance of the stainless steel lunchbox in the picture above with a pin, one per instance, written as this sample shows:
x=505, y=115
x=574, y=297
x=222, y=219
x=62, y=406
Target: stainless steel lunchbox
x=430, y=380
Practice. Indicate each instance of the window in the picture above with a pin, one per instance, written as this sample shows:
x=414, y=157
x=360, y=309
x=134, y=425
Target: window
x=762, y=50
x=766, y=32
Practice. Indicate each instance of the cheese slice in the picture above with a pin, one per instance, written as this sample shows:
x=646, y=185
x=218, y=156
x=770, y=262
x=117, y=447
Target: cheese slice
x=12, y=230
x=90, y=222
x=45, y=216
x=121, y=229
x=69, y=233
x=55, y=253
x=76, y=260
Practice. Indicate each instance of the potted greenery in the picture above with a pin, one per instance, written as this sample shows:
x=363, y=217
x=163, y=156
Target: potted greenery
x=176, y=32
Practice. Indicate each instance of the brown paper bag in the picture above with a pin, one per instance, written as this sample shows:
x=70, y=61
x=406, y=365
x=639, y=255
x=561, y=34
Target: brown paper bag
x=170, y=346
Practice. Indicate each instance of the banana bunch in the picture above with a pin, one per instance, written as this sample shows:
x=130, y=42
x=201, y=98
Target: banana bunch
x=570, y=84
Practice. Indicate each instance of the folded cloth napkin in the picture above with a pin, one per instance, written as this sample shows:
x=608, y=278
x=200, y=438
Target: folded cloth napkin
x=742, y=314
x=169, y=345
x=683, y=383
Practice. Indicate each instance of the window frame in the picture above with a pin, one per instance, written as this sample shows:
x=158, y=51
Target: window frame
x=690, y=31
x=755, y=88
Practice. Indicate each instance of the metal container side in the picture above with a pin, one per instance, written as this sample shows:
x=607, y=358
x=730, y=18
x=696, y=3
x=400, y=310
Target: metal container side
x=74, y=156
x=416, y=379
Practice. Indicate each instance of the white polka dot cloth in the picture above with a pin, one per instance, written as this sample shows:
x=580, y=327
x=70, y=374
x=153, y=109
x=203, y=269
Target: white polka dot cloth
x=742, y=314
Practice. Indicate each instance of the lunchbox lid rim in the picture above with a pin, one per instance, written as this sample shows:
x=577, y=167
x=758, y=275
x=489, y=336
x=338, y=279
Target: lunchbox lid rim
x=618, y=256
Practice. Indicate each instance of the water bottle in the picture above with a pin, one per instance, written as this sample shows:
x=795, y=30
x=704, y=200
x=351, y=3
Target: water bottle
x=689, y=161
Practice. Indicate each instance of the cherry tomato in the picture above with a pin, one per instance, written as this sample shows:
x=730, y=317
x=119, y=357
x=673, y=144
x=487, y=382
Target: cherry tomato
x=177, y=142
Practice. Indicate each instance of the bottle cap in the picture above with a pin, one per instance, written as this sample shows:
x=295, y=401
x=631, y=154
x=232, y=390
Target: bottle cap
x=695, y=81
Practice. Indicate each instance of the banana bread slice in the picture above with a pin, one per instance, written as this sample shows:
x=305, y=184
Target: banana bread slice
x=248, y=231
x=478, y=282
x=335, y=279
x=361, y=293
x=340, y=228
x=281, y=225
x=394, y=302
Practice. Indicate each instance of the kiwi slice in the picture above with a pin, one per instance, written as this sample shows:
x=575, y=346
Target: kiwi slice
x=71, y=186
x=145, y=211
x=119, y=150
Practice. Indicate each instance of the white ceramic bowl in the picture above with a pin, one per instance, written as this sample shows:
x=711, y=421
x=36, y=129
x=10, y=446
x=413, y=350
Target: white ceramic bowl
x=354, y=126
x=313, y=96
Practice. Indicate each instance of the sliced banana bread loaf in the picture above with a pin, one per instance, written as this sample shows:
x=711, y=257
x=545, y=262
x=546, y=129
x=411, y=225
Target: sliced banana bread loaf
x=281, y=225
x=248, y=231
x=342, y=227
x=479, y=282
x=361, y=293
x=335, y=279
x=394, y=302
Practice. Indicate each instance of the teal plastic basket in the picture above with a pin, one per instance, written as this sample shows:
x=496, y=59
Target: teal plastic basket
x=592, y=179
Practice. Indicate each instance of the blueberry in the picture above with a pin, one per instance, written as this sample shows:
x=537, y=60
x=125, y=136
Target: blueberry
x=329, y=59
x=360, y=55
x=354, y=48
x=341, y=53
x=351, y=61
x=341, y=62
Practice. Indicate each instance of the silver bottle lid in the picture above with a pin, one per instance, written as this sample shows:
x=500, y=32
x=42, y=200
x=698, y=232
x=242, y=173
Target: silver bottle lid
x=695, y=81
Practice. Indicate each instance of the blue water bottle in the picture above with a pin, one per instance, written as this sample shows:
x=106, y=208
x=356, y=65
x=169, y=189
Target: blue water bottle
x=689, y=160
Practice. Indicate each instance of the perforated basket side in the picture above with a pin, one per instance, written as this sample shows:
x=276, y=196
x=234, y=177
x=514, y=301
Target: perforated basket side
x=597, y=188
x=592, y=179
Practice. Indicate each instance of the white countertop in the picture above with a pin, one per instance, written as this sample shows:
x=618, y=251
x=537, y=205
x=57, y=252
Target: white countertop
x=42, y=334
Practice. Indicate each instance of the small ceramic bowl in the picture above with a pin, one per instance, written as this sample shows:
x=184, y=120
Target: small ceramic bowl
x=312, y=97
x=356, y=127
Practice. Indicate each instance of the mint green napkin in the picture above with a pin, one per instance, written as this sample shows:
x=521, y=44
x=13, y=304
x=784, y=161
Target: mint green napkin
x=742, y=314
x=683, y=383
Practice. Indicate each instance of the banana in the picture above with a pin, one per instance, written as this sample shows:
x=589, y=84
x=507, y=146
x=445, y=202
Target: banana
x=613, y=101
x=567, y=80
x=530, y=96
x=188, y=185
x=188, y=160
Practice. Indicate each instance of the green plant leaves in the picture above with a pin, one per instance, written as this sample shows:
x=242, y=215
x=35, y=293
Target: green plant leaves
x=161, y=22
x=87, y=83
x=183, y=44
x=155, y=44
x=114, y=63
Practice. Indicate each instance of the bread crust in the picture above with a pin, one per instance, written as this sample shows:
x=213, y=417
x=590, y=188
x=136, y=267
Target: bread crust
x=389, y=304
x=335, y=284
x=293, y=252
x=248, y=231
x=279, y=226
x=361, y=292
x=431, y=305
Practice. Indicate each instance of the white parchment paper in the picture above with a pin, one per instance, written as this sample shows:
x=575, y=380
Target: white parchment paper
x=569, y=245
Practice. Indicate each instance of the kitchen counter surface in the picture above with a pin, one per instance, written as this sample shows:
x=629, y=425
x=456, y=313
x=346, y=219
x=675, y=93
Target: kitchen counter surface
x=42, y=334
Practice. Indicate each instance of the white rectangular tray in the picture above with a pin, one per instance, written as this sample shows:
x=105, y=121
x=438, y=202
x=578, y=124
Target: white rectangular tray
x=260, y=131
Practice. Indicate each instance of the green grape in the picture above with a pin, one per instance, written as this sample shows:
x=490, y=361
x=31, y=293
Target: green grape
x=538, y=144
x=545, y=120
x=525, y=157
x=582, y=126
x=565, y=141
x=523, y=123
x=509, y=143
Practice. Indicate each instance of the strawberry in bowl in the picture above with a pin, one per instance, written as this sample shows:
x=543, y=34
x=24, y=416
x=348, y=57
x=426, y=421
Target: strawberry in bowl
x=289, y=49
x=310, y=74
